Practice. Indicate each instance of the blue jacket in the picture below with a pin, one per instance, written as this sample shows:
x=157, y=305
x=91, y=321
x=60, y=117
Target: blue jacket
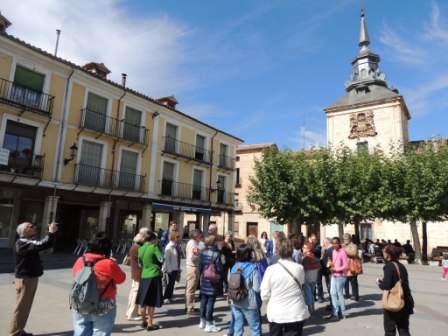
x=207, y=256
x=252, y=282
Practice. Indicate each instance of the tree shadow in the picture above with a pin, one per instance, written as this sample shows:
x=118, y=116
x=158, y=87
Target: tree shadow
x=62, y=333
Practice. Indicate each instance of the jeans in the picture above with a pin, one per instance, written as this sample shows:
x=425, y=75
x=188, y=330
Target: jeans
x=353, y=280
x=286, y=329
x=93, y=324
x=308, y=291
x=207, y=306
x=337, y=294
x=170, y=286
x=320, y=289
x=253, y=320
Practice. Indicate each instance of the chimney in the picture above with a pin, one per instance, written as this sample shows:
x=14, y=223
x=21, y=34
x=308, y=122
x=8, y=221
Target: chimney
x=123, y=79
x=98, y=69
x=169, y=101
x=4, y=23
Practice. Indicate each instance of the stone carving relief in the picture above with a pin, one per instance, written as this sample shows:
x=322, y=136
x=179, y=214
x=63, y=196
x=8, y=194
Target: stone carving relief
x=362, y=125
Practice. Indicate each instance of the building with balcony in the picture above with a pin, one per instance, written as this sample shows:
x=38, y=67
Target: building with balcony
x=95, y=155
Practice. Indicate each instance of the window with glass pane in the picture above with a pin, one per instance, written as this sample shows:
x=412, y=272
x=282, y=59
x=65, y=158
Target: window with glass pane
x=89, y=168
x=221, y=190
x=170, y=138
x=128, y=169
x=223, y=155
x=200, y=147
x=362, y=147
x=366, y=231
x=96, y=111
x=19, y=139
x=197, y=184
x=28, y=86
x=131, y=126
x=168, y=179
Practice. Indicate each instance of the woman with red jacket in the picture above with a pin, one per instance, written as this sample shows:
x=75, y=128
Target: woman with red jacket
x=108, y=275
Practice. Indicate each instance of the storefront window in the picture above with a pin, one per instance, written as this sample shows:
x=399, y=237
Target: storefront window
x=5, y=223
x=161, y=223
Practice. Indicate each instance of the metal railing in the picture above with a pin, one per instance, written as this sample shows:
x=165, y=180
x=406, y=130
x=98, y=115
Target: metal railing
x=24, y=164
x=106, y=178
x=101, y=123
x=226, y=162
x=25, y=98
x=183, y=190
x=180, y=148
x=223, y=197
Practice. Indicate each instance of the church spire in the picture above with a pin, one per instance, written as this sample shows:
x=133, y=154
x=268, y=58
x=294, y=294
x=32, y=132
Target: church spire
x=364, y=40
x=365, y=70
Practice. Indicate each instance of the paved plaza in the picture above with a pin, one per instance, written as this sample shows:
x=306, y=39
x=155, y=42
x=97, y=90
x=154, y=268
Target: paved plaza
x=50, y=314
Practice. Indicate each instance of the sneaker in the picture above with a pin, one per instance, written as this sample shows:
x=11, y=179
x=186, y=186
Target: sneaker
x=166, y=301
x=212, y=328
x=202, y=324
x=443, y=279
x=193, y=312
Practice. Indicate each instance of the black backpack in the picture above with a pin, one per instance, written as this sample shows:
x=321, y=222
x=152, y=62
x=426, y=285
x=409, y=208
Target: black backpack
x=237, y=290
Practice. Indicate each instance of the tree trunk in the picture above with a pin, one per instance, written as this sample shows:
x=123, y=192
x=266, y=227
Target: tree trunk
x=357, y=224
x=424, y=242
x=416, y=239
x=341, y=230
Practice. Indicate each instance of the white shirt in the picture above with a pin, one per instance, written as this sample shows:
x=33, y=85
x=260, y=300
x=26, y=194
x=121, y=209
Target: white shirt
x=286, y=303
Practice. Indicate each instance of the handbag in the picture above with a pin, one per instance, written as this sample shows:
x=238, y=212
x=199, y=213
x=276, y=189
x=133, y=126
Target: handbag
x=127, y=260
x=393, y=299
x=178, y=274
x=211, y=274
x=355, y=266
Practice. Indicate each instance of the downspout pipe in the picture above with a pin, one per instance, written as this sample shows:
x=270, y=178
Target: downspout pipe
x=123, y=83
x=62, y=131
x=211, y=170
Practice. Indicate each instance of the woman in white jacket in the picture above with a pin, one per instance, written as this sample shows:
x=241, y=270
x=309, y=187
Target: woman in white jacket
x=171, y=266
x=282, y=286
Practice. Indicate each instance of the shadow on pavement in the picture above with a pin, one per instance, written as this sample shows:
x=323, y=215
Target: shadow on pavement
x=62, y=333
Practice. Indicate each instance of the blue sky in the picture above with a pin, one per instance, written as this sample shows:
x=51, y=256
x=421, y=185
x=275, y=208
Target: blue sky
x=260, y=70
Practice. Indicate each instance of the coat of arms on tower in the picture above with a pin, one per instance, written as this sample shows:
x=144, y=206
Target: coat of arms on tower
x=362, y=125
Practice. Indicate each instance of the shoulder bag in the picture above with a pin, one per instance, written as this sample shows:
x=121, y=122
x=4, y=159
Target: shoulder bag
x=355, y=266
x=393, y=299
x=292, y=275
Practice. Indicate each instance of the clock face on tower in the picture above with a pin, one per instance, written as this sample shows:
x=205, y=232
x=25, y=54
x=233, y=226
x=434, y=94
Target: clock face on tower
x=362, y=124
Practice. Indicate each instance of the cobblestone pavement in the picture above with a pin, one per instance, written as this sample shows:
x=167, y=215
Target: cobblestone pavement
x=50, y=314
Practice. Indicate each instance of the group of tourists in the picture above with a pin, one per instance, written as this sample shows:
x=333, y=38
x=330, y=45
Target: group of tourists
x=286, y=273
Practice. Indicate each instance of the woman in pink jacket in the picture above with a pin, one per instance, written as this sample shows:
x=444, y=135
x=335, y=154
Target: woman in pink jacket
x=338, y=267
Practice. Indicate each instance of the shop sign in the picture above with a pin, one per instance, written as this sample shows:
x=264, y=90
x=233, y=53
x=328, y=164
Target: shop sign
x=180, y=208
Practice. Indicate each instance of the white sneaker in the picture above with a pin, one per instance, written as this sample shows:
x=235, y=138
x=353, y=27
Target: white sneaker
x=443, y=279
x=166, y=301
x=212, y=328
x=202, y=324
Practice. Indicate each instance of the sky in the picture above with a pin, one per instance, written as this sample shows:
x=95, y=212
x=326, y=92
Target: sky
x=261, y=70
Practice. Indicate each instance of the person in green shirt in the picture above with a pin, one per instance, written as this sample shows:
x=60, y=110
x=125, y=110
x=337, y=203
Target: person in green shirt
x=149, y=293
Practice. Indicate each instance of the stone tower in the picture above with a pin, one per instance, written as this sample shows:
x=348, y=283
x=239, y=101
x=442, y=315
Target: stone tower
x=371, y=114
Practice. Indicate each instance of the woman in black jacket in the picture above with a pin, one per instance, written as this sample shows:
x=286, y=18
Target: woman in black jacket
x=396, y=320
x=209, y=290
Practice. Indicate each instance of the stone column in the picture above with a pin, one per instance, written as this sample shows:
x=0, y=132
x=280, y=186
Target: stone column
x=199, y=220
x=104, y=215
x=49, y=215
x=205, y=222
x=179, y=217
x=146, y=216
x=230, y=222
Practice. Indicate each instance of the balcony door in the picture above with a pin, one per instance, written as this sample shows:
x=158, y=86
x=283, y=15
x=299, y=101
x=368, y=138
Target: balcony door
x=131, y=126
x=223, y=155
x=20, y=140
x=168, y=179
x=96, y=111
x=28, y=87
x=89, y=170
x=128, y=170
x=197, y=184
x=200, y=147
x=170, y=138
x=221, y=191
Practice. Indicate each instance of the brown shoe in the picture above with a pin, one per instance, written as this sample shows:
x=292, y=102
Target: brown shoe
x=194, y=312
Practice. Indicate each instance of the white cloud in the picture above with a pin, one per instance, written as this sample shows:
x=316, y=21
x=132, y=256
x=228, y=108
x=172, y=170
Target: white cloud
x=149, y=50
x=308, y=139
x=435, y=28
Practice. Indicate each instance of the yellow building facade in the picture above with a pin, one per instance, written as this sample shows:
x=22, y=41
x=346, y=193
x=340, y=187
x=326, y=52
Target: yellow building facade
x=95, y=155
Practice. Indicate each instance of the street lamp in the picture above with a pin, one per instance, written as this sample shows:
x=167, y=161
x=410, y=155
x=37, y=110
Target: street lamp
x=73, y=152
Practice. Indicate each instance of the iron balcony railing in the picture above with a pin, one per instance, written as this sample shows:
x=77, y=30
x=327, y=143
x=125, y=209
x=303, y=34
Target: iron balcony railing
x=25, y=163
x=226, y=162
x=101, y=123
x=183, y=190
x=179, y=148
x=26, y=99
x=223, y=197
x=106, y=178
